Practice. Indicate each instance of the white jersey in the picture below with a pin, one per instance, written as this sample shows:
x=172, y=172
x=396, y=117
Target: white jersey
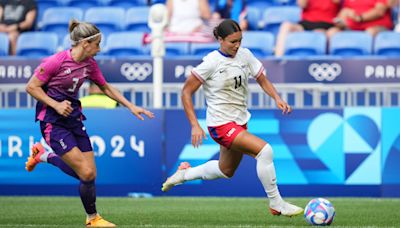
x=225, y=84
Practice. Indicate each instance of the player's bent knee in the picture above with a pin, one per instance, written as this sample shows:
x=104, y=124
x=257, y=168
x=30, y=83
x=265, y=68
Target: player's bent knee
x=88, y=175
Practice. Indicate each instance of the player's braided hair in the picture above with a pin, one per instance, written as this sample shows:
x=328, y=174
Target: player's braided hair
x=79, y=31
x=225, y=28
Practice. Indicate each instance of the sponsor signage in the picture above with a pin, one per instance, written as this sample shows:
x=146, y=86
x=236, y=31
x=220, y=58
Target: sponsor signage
x=337, y=152
x=326, y=70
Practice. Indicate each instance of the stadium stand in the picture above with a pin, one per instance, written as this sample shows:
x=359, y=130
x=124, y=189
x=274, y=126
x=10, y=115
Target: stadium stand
x=176, y=49
x=305, y=44
x=273, y=17
x=56, y=19
x=253, y=17
x=37, y=44
x=201, y=49
x=43, y=5
x=107, y=19
x=4, y=44
x=136, y=19
x=285, y=2
x=259, y=42
x=387, y=44
x=260, y=4
x=351, y=43
x=125, y=44
x=66, y=43
x=84, y=5
x=126, y=3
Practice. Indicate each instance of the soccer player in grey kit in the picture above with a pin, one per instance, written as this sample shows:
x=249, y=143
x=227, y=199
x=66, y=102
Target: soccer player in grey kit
x=55, y=84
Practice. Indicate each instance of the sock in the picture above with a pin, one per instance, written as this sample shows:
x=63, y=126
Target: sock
x=45, y=155
x=91, y=216
x=55, y=160
x=266, y=174
x=207, y=171
x=87, y=191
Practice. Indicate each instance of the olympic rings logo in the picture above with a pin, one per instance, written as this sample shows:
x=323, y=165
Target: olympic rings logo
x=136, y=71
x=325, y=71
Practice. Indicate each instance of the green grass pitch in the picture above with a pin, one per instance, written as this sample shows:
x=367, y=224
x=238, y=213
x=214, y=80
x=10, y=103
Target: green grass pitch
x=182, y=212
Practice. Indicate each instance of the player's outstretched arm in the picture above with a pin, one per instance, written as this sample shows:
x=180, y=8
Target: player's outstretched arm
x=191, y=85
x=269, y=88
x=114, y=94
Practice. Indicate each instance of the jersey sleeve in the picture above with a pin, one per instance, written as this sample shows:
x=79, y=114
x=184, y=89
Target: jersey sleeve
x=205, y=69
x=48, y=68
x=96, y=76
x=255, y=65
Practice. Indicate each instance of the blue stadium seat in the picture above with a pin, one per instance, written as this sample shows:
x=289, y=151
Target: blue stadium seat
x=212, y=4
x=263, y=4
x=253, y=17
x=260, y=4
x=274, y=16
x=66, y=43
x=136, y=19
x=84, y=4
x=56, y=19
x=107, y=19
x=126, y=3
x=4, y=44
x=158, y=1
x=175, y=49
x=305, y=44
x=43, y=5
x=350, y=43
x=261, y=43
x=387, y=44
x=123, y=44
x=285, y=2
x=201, y=49
x=37, y=44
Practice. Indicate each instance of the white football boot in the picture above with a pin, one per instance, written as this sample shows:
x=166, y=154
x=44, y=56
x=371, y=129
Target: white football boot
x=286, y=209
x=177, y=178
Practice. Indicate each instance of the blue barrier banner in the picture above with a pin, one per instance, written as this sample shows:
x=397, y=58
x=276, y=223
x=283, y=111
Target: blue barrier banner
x=17, y=70
x=127, y=150
x=340, y=151
x=331, y=70
x=325, y=70
x=337, y=152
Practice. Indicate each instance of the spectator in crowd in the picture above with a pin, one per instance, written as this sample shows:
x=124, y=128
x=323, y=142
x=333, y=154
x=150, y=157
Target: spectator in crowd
x=16, y=16
x=317, y=15
x=97, y=98
x=233, y=9
x=372, y=16
x=187, y=16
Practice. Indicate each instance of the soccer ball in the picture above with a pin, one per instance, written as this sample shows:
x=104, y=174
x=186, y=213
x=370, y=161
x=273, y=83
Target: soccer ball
x=319, y=212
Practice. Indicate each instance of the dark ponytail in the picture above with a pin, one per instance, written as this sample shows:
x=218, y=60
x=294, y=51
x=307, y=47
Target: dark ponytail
x=225, y=28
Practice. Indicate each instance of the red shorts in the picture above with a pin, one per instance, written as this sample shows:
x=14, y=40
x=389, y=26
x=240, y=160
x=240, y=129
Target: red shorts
x=226, y=133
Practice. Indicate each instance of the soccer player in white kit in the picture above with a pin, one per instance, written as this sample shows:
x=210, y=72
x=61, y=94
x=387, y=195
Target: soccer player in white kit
x=224, y=74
